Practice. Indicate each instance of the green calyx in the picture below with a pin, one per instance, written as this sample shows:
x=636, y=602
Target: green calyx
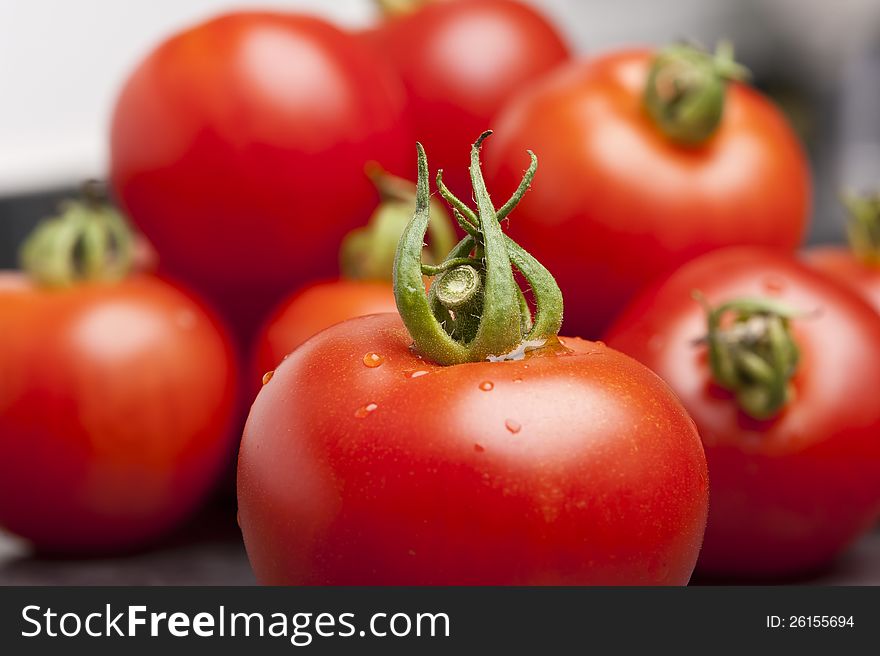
x=754, y=354
x=475, y=309
x=686, y=90
x=863, y=228
x=367, y=253
x=88, y=241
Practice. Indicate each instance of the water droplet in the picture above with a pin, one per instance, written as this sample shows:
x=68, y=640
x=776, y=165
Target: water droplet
x=416, y=374
x=373, y=360
x=268, y=376
x=512, y=425
x=774, y=284
x=487, y=385
x=365, y=410
x=479, y=448
x=517, y=380
x=600, y=343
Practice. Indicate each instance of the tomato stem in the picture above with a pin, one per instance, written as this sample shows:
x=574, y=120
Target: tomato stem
x=88, y=240
x=863, y=227
x=755, y=355
x=474, y=310
x=367, y=253
x=686, y=90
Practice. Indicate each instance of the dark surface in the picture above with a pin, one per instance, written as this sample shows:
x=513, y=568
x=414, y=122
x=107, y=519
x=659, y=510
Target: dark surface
x=210, y=552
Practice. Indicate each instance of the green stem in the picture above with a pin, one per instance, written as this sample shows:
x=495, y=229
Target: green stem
x=686, y=89
x=455, y=203
x=524, y=185
x=754, y=355
x=433, y=270
x=87, y=241
x=499, y=329
x=474, y=309
x=863, y=227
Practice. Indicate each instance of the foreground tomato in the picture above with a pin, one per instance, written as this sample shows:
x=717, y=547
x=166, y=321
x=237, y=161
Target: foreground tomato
x=366, y=460
x=637, y=193
x=366, y=259
x=461, y=61
x=115, y=402
x=794, y=459
x=857, y=267
x=238, y=147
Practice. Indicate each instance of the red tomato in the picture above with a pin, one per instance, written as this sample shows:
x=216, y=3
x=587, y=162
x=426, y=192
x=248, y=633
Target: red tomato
x=363, y=464
x=314, y=308
x=238, y=146
x=115, y=403
x=461, y=61
x=842, y=264
x=791, y=492
x=627, y=203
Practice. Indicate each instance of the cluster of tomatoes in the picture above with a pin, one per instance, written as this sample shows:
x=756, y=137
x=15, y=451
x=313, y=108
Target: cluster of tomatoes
x=419, y=419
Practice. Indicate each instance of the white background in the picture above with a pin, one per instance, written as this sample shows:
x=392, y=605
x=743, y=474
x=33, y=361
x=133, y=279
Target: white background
x=62, y=61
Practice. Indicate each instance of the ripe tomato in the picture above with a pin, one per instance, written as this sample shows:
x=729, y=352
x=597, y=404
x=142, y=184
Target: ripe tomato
x=857, y=267
x=630, y=203
x=574, y=468
x=115, y=403
x=791, y=491
x=314, y=308
x=238, y=146
x=461, y=61
x=840, y=263
x=370, y=459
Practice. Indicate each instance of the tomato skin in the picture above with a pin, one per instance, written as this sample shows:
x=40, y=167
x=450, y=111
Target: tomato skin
x=115, y=405
x=586, y=471
x=314, y=308
x=626, y=204
x=238, y=147
x=788, y=494
x=461, y=61
x=840, y=263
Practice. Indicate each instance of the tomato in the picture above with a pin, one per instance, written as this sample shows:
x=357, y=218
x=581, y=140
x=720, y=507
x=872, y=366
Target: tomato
x=238, y=147
x=577, y=468
x=460, y=442
x=461, y=61
x=314, y=308
x=115, y=402
x=628, y=202
x=859, y=265
x=842, y=264
x=789, y=491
